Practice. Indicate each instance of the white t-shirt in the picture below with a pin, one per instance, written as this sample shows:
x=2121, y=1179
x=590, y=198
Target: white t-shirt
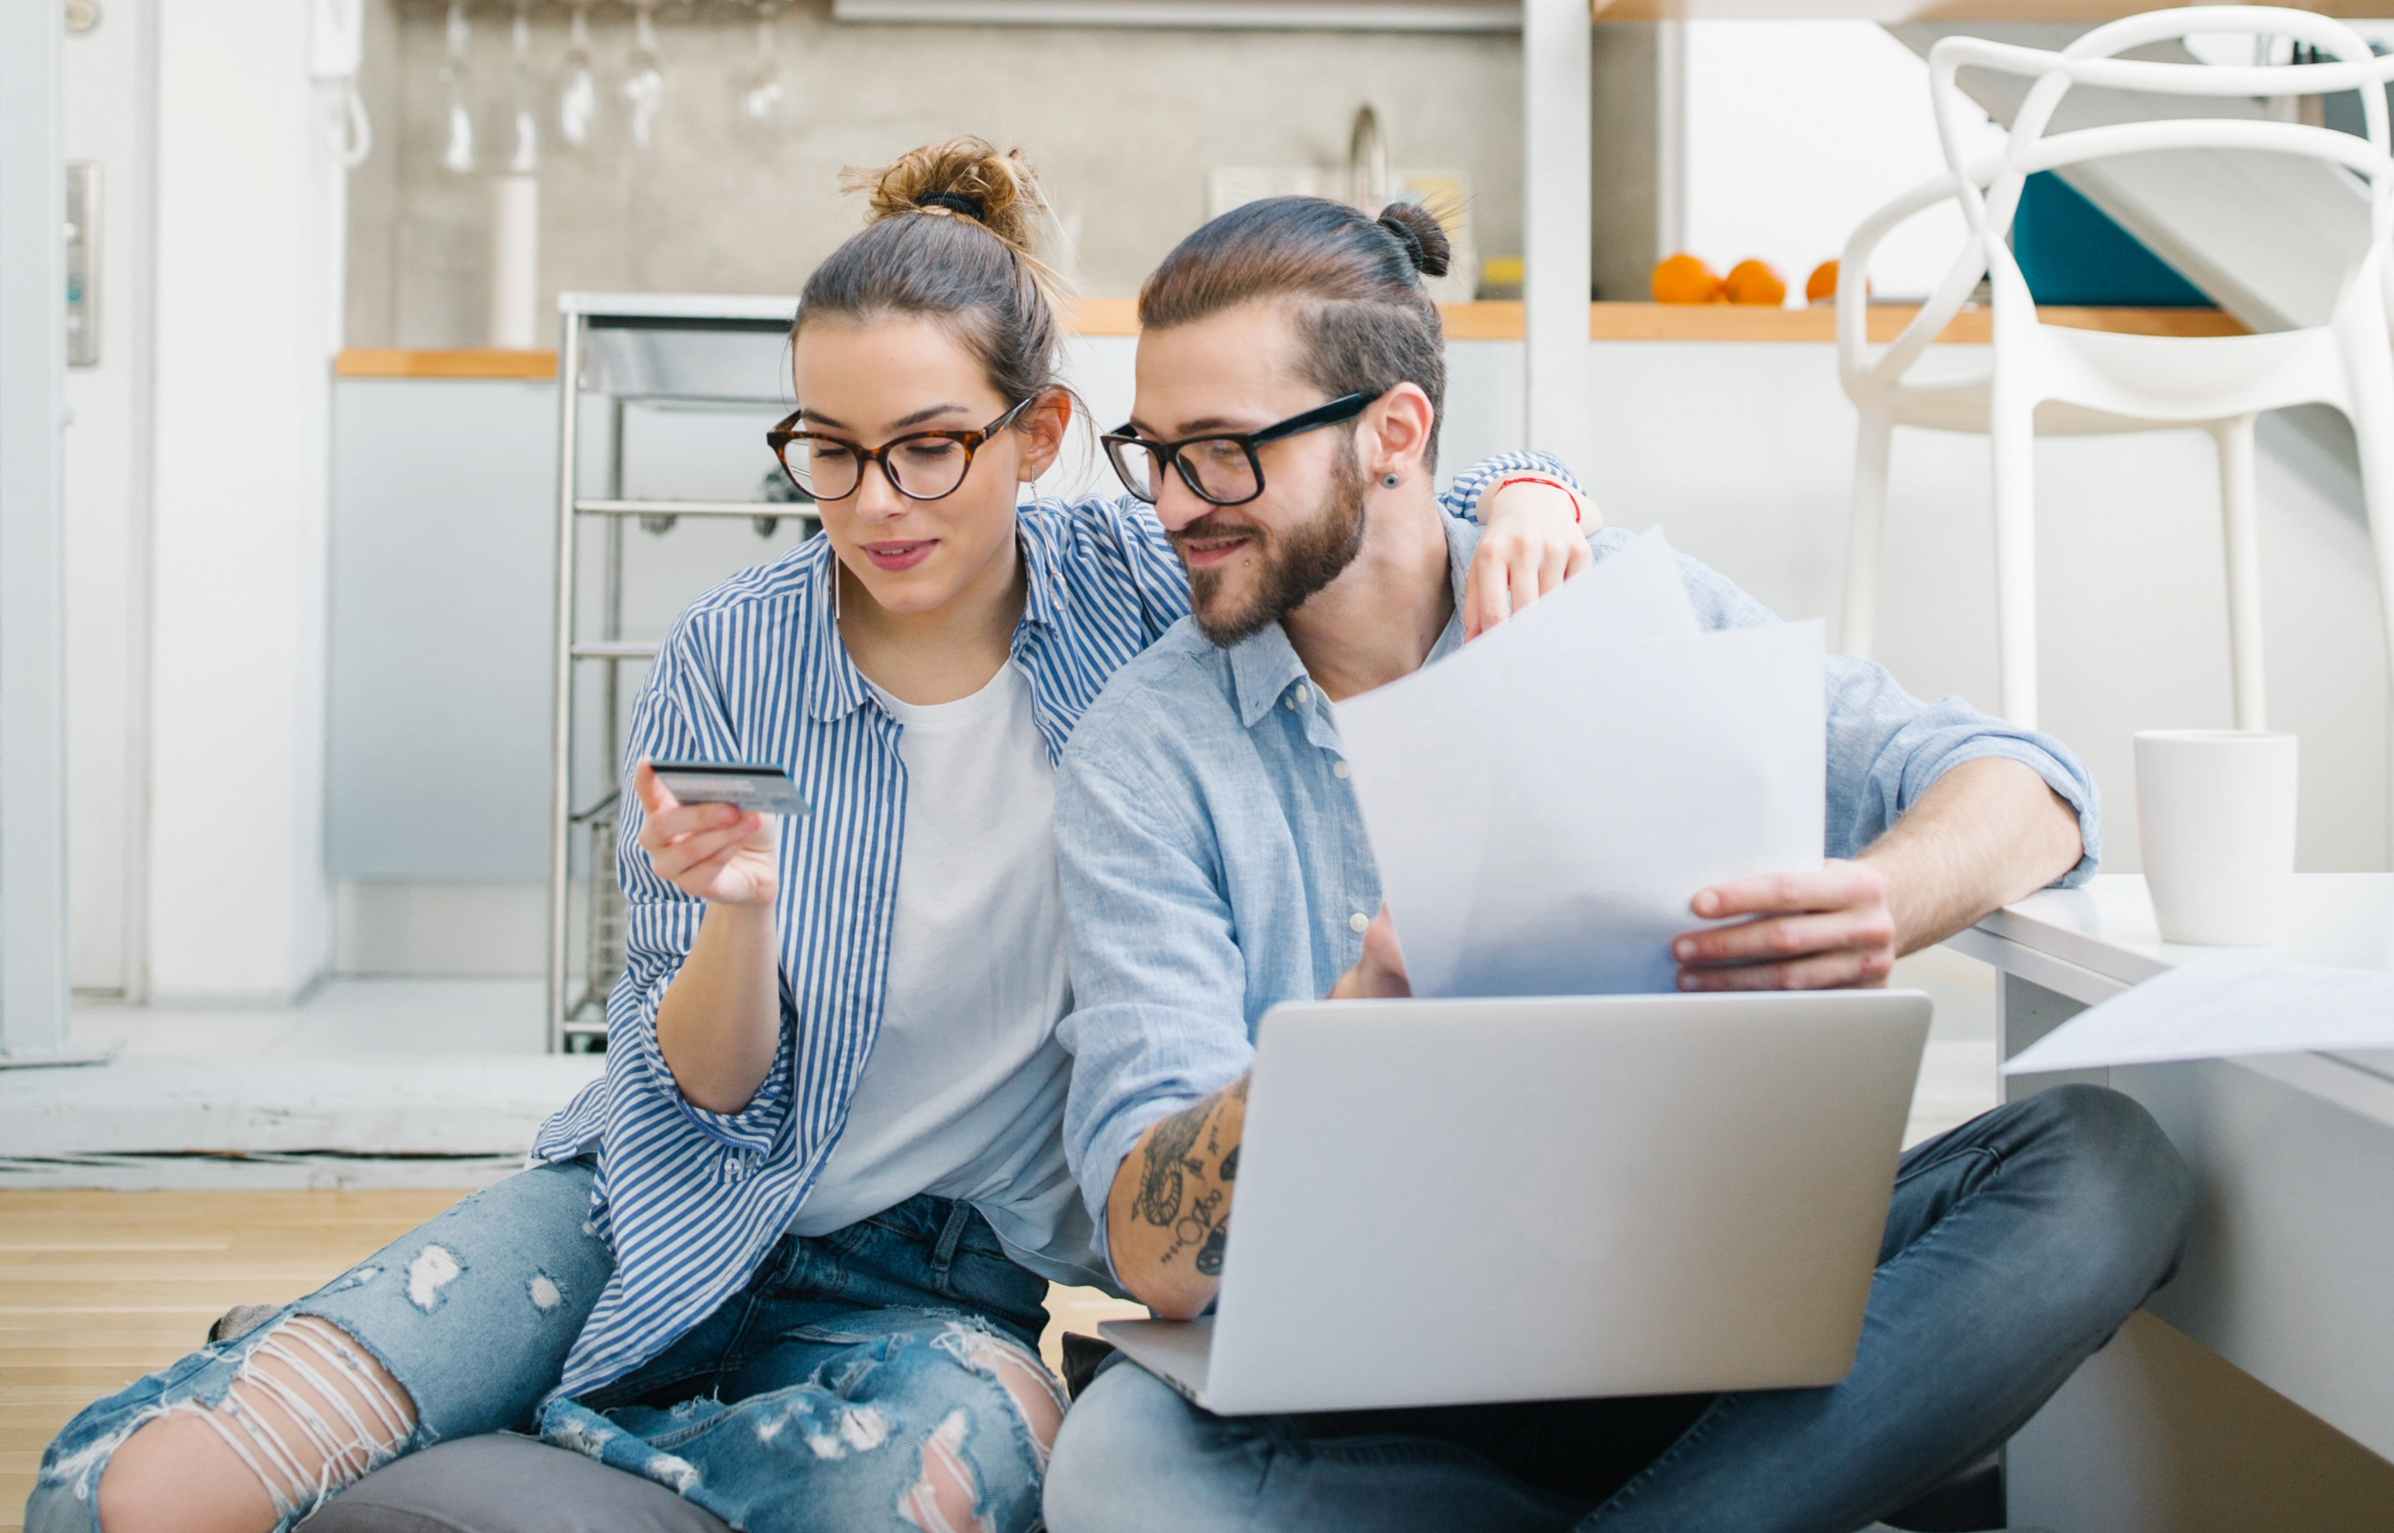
x=964, y=1093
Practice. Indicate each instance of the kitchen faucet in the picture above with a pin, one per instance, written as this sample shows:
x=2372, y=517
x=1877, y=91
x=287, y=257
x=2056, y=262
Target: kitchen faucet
x=1368, y=183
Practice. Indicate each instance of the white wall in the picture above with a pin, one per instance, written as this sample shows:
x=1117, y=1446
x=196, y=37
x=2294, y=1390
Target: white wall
x=1124, y=126
x=238, y=902
x=1796, y=132
x=111, y=100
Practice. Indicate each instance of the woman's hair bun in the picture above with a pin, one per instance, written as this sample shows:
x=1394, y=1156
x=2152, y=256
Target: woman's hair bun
x=1423, y=236
x=966, y=177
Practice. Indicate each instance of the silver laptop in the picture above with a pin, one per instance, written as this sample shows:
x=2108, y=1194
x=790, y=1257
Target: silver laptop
x=1448, y=1202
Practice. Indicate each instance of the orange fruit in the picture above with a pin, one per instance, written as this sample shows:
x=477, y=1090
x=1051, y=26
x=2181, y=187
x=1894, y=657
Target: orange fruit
x=1756, y=282
x=1684, y=279
x=1821, y=286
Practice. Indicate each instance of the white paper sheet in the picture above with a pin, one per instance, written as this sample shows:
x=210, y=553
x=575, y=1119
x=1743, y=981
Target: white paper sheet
x=1544, y=804
x=2220, y=1007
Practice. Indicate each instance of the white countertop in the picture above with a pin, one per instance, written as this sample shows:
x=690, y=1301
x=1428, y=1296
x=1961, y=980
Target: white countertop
x=2344, y=920
x=2094, y=942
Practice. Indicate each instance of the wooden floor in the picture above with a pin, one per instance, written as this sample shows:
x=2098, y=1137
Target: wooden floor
x=98, y=1288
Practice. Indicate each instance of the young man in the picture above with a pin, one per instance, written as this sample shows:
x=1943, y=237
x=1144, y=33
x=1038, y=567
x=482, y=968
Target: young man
x=1215, y=863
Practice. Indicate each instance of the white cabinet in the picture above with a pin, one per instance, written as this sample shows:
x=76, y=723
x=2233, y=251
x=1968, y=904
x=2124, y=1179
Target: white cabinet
x=444, y=537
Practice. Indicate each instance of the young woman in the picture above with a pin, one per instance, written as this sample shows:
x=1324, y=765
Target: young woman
x=789, y=1256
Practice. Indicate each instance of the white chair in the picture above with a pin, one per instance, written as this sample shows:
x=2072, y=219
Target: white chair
x=2046, y=378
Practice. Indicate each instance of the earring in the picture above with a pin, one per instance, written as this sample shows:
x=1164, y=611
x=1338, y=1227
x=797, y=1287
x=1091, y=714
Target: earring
x=1390, y=481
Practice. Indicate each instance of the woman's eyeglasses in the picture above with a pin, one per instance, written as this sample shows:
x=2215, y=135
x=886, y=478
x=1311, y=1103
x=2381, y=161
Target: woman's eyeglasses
x=1219, y=467
x=921, y=465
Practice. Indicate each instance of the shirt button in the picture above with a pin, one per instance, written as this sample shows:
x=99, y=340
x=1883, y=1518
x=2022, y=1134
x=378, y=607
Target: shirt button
x=1302, y=696
x=1338, y=769
x=1359, y=922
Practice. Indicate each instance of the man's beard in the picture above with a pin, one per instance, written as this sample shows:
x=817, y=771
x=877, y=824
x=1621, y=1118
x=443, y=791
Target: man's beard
x=1311, y=555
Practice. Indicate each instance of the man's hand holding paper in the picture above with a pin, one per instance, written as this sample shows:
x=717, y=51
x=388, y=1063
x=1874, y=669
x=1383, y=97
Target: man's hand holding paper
x=1801, y=931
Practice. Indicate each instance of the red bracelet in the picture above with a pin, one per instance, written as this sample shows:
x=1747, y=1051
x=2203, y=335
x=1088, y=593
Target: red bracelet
x=1579, y=505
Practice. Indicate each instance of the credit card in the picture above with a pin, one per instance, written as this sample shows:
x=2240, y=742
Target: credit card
x=744, y=784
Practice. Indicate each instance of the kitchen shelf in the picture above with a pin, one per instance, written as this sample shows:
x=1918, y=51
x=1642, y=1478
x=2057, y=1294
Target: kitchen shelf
x=1973, y=326
x=454, y=362
x=613, y=349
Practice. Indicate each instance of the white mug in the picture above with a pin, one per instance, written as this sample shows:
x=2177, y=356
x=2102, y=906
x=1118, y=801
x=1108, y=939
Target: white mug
x=2216, y=820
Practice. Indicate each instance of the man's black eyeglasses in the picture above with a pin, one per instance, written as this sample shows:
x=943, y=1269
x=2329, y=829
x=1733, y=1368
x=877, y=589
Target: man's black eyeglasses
x=1219, y=467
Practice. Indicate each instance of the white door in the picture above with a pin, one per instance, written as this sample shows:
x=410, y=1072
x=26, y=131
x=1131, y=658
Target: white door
x=111, y=92
x=33, y=982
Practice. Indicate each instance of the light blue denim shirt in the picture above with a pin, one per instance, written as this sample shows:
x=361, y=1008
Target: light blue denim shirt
x=1215, y=863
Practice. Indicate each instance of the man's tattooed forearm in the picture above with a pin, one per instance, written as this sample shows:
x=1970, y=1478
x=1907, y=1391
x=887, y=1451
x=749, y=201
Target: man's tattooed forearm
x=1184, y=1181
x=1168, y=1146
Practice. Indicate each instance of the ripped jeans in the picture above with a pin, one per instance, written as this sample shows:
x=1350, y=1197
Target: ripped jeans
x=882, y=1376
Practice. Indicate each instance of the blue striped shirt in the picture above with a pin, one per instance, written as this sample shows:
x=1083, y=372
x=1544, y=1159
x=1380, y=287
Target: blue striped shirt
x=690, y=1200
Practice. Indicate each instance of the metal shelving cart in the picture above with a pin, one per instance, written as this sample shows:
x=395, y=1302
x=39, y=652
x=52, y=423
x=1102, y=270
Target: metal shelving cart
x=614, y=350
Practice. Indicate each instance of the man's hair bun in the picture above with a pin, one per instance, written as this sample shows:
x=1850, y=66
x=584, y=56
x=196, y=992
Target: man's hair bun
x=1423, y=236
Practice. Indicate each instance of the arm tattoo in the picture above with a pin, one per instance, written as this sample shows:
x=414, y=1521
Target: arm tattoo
x=1160, y=1187
x=1197, y=1227
x=1209, y=1255
x=1172, y=1160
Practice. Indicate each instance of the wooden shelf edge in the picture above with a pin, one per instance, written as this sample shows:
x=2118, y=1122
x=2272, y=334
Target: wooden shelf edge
x=457, y=362
x=1818, y=322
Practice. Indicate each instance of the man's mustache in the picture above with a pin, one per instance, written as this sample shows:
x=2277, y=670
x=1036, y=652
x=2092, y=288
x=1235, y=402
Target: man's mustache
x=1211, y=526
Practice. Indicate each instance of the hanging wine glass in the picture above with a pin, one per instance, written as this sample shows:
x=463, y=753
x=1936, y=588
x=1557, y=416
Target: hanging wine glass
x=644, y=84
x=578, y=98
x=524, y=159
x=457, y=153
x=760, y=101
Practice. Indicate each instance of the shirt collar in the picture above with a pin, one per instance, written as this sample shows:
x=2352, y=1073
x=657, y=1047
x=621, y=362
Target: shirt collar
x=1264, y=665
x=1043, y=574
x=829, y=681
